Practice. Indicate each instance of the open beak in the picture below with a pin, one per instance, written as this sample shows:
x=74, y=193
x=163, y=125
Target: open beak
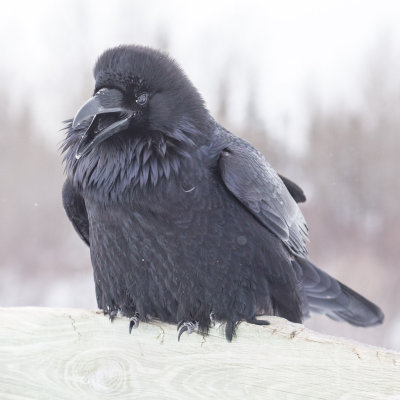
x=106, y=116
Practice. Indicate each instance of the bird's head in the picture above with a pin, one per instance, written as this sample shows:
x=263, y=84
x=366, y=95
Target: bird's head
x=139, y=92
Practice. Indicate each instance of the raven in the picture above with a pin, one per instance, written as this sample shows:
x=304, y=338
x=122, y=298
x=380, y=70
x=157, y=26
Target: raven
x=187, y=223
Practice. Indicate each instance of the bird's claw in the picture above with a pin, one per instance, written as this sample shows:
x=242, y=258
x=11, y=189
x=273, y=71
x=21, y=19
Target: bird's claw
x=112, y=314
x=212, y=318
x=133, y=322
x=261, y=322
x=188, y=327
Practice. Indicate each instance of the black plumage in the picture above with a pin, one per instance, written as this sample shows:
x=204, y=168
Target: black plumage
x=185, y=221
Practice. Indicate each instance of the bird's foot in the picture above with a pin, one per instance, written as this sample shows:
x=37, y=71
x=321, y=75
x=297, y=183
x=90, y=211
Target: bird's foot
x=133, y=322
x=188, y=327
x=212, y=318
x=112, y=312
x=256, y=321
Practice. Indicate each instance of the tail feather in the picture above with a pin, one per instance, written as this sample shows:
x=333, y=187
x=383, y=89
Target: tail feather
x=360, y=311
x=326, y=295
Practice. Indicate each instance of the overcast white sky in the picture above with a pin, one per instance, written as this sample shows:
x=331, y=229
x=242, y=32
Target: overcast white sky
x=284, y=48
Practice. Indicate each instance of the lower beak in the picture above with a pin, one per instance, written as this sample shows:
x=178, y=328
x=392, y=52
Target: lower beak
x=107, y=104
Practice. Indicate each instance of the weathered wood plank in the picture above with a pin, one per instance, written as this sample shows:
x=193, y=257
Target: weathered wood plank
x=77, y=354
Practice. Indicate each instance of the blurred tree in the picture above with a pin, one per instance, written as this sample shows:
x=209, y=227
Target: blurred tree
x=37, y=243
x=253, y=128
x=353, y=167
x=352, y=163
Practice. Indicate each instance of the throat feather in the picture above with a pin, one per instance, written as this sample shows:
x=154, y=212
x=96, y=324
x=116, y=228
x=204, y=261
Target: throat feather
x=126, y=161
x=120, y=169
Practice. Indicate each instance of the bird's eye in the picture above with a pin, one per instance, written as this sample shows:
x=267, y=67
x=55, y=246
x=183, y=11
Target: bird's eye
x=100, y=91
x=142, y=99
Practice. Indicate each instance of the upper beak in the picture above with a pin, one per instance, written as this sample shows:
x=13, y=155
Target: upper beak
x=105, y=101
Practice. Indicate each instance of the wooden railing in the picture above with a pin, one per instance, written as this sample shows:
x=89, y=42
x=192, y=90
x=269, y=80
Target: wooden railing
x=56, y=354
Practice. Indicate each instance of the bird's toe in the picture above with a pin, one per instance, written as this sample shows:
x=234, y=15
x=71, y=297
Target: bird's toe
x=112, y=314
x=212, y=318
x=134, y=322
x=256, y=321
x=188, y=327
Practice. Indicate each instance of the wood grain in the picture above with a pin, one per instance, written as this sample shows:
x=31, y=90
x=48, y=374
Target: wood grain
x=77, y=354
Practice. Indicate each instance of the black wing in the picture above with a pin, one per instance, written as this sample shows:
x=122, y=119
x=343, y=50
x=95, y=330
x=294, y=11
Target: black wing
x=295, y=190
x=250, y=178
x=75, y=208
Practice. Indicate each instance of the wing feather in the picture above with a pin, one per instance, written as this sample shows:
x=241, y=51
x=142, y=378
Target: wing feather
x=295, y=190
x=250, y=178
x=75, y=208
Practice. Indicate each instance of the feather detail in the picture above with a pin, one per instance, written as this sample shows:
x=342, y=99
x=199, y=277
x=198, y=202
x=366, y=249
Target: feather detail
x=155, y=170
x=138, y=148
x=162, y=148
x=123, y=162
x=144, y=174
x=166, y=168
x=147, y=152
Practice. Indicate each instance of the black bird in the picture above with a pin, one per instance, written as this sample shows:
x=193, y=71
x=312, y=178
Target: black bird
x=187, y=223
